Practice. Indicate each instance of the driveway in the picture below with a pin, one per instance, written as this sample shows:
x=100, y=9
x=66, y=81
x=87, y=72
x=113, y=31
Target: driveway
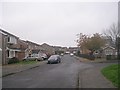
x=70, y=73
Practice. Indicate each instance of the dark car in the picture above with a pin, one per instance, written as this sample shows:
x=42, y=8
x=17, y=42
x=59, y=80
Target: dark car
x=54, y=59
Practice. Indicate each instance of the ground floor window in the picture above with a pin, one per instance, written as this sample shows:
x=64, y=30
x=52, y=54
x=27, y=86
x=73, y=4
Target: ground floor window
x=7, y=53
x=10, y=54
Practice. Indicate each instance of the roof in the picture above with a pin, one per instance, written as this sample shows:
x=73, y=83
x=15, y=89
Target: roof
x=108, y=47
x=32, y=43
x=45, y=44
x=7, y=33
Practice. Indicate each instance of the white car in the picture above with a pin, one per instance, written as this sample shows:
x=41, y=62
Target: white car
x=62, y=54
x=44, y=56
x=33, y=58
x=71, y=54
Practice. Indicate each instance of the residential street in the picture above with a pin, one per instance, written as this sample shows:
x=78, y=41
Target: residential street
x=70, y=73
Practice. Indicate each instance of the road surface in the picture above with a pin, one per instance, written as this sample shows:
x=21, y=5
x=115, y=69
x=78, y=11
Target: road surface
x=63, y=75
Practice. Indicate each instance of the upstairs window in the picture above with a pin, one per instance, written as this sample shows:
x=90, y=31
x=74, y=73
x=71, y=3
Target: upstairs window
x=8, y=39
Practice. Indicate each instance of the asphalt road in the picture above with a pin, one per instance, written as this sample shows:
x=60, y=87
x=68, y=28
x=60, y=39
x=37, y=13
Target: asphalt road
x=62, y=75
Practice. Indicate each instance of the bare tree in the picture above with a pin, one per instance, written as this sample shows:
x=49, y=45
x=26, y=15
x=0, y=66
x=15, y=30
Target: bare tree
x=112, y=32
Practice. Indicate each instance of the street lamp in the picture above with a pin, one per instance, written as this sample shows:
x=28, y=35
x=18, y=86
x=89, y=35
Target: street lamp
x=118, y=46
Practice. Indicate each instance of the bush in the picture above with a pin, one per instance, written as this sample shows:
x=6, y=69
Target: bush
x=108, y=57
x=111, y=57
x=88, y=56
x=13, y=60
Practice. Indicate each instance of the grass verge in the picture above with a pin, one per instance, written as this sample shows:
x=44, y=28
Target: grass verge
x=27, y=62
x=111, y=73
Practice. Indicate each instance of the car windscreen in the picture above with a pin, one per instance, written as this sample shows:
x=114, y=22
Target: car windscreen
x=53, y=57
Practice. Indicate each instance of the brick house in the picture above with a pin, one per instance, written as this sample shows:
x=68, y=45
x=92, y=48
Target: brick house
x=22, y=46
x=9, y=49
x=31, y=47
x=48, y=49
x=59, y=49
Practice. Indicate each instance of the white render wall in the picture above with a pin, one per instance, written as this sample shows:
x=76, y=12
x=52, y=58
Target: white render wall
x=0, y=48
x=13, y=40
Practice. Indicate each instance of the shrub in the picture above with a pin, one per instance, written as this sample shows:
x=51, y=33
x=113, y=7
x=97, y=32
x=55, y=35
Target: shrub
x=111, y=57
x=108, y=57
x=13, y=60
x=88, y=56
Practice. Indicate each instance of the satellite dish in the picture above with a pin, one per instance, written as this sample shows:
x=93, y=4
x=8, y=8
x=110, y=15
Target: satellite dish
x=0, y=49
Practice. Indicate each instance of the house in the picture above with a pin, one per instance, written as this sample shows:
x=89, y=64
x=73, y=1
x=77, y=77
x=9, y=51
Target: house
x=3, y=40
x=31, y=47
x=0, y=48
x=48, y=49
x=108, y=50
x=9, y=49
x=74, y=49
x=85, y=51
x=22, y=46
x=37, y=53
x=0, y=56
x=59, y=49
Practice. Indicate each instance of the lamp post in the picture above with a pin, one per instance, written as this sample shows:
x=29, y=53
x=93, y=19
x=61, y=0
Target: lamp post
x=118, y=47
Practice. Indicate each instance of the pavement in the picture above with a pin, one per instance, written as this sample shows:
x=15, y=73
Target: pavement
x=15, y=68
x=71, y=73
x=91, y=76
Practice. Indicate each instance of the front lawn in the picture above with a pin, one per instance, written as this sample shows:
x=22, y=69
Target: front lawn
x=111, y=73
x=27, y=62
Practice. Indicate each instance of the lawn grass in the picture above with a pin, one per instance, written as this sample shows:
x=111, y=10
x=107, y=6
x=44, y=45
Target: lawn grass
x=27, y=62
x=111, y=73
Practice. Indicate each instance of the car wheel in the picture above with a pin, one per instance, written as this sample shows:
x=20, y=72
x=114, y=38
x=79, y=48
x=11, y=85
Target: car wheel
x=48, y=62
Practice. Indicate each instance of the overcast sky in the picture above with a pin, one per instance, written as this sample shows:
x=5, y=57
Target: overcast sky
x=56, y=23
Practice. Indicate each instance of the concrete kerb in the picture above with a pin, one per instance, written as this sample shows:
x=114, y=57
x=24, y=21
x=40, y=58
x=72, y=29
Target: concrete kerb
x=9, y=70
x=96, y=60
x=82, y=59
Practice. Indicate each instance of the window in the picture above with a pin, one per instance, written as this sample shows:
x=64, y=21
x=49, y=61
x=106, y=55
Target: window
x=8, y=39
x=7, y=53
x=108, y=52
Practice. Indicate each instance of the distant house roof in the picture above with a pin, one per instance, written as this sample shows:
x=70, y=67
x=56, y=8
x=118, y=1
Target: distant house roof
x=108, y=47
x=45, y=44
x=32, y=43
x=7, y=33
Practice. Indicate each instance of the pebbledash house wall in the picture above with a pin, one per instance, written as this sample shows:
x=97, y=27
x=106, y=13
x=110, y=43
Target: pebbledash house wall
x=0, y=48
x=7, y=40
x=3, y=44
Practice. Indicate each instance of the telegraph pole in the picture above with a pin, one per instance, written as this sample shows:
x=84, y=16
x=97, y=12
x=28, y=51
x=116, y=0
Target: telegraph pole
x=118, y=47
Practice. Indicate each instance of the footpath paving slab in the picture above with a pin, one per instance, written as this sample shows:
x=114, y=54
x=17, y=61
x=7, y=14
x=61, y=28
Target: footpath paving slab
x=15, y=68
x=93, y=78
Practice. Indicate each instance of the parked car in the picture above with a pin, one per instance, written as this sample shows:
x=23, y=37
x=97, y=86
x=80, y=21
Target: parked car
x=62, y=54
x=44, y=56
x=33, y=58
x=54, y=59
x=71, y=54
